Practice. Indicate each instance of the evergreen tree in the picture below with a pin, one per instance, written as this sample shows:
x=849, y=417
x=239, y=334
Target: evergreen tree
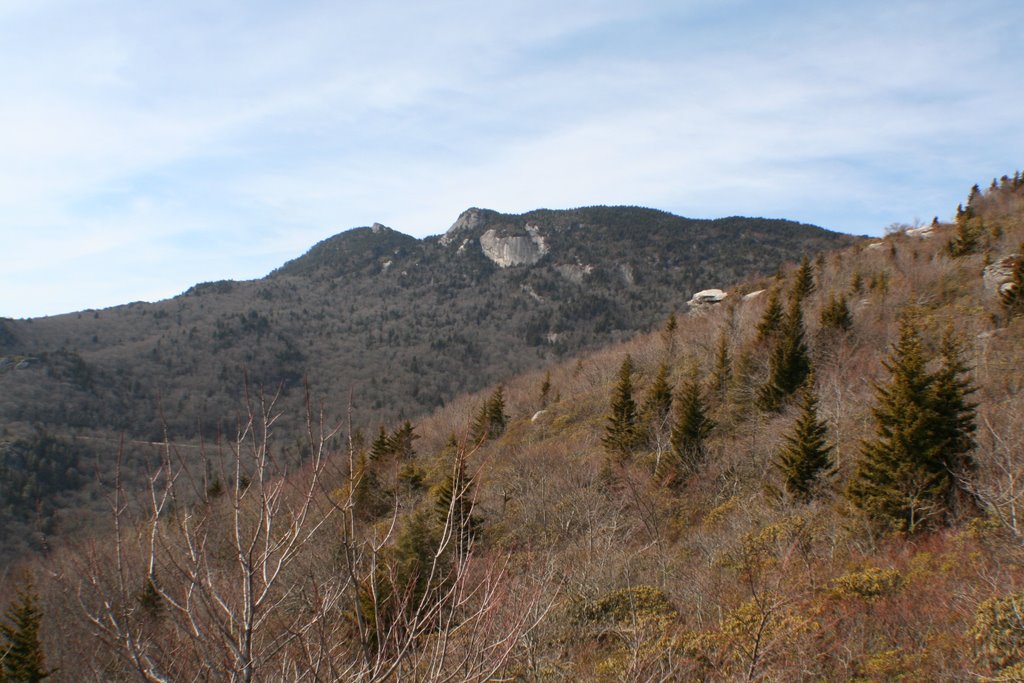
x=956, y=416
x=968, y=236
x=1012, y=293
x=721, y=374
x=857, y=283
x=622, y=432
x=401, y=441
x=907, y=474
x=545, y=390
x=789, y=362
x=804, y=284
x=491, y=420
x=806, y=456
x=381, y=447
x=771, y=320
x=658, y=402
x=453, y=505
x=691, y=428
x=668, y=335
x=22, y=653
x=836, y=315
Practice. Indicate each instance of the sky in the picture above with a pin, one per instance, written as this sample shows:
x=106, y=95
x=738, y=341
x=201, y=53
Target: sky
x=149, y=146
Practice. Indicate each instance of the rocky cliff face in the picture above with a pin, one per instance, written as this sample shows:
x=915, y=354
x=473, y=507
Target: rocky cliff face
x=514, y=250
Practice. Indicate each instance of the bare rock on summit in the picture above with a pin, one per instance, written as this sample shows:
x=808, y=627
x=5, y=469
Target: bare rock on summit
x=514, y=250
x=467, y=221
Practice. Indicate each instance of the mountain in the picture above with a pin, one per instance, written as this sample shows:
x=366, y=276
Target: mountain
x=567, y=524
x=404, y=324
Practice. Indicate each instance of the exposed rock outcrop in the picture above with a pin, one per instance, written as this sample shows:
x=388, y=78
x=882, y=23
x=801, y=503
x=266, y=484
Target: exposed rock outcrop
x=468, y=220
x=999, y=273
x=514, y=250
x=706, y=298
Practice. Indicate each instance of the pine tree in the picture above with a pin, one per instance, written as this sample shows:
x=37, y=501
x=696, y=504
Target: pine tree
x=908, y=473
x=491, y=420
x=622, y=432
x=668, y=335
x=806, y=457
x=545, y=390
x=771, y=320
x=857, y=283
x=968, y=236
x=721, y=374
x=836, y=315
x=401, y=441
x=381, y=447
x=453, y=505
x=956, y=416
x=789, y=362
x=657, y=403
x=21, y=651
x=691, y=428
x=804, y=284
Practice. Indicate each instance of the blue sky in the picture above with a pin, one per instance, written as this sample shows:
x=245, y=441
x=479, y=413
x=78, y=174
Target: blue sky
x=145, y=147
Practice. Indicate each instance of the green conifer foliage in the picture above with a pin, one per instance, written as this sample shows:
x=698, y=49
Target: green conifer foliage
x=401, y=441
x=771, y=320
x=453, y=506
x=804, y=284
x=491, y=420
x=20, y=648
x=856, y=283
x=721, y=373
x=956, y=416
x=806, y=455
x=691, y=428
x=836, y=314
x=381, y=447
x=622, y=431
x=908, y=472
x=658, y=402
x=789, y=362
x=545, y=390
x=668, y=335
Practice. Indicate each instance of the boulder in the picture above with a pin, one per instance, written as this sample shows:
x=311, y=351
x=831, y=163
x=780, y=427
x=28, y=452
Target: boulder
x=706, y=298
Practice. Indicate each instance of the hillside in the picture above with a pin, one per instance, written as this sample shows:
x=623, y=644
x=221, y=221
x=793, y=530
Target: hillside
x=404, y=324
x=550, y=529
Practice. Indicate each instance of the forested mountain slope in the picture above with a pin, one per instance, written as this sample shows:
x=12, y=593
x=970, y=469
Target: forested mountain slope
x=404, y=324
x=820, y=481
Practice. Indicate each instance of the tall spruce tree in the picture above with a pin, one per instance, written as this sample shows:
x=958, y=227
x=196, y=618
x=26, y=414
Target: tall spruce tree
x=622, y=431
x=790, y=361
x=657, y=403
x=771, y=319
x=836, y=315
x=804, y=282
x=691, y=427
x=806, y=455
x=721, y=373
x=21, y=652
x=908, y=473
x=491, y=420
x=956, y=417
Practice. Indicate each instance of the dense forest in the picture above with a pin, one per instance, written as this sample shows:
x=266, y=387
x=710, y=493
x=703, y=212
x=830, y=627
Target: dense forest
x=817, y=478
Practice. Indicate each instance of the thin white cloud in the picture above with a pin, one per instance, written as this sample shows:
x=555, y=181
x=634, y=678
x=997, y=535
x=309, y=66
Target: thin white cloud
x=146, y=147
